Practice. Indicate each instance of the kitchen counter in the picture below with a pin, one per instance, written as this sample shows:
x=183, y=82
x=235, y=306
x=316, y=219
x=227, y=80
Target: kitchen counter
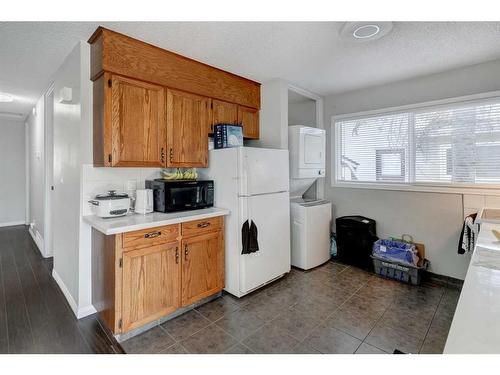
x=132, y=222
x=476, y=323
x=489, y=215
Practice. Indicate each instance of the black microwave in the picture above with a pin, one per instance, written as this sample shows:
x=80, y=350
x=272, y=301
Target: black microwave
x=172, y=196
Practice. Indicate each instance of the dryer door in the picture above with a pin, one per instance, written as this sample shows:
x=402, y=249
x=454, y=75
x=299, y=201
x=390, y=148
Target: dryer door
x=312, y=150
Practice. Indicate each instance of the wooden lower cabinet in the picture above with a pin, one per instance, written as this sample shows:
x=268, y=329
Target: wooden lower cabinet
x=141, y=276
x=151, y=284
x=202, y=267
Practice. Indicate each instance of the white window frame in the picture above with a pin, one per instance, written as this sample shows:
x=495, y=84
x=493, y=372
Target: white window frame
x=434, y=187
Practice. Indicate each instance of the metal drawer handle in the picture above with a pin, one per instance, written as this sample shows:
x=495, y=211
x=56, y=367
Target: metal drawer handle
x=177, y=255
x=204, y=224
x=152, y=234
x=186, y=252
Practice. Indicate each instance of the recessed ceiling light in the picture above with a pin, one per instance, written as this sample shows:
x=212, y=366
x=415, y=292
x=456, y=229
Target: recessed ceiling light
x=366, y=31
x=5, y=98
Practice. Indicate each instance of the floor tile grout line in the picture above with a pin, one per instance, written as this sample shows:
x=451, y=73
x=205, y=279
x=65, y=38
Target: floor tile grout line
x=387, y=309
x=192, y=334
x=357, y=290
x=336, y=309
x=430, y=324
x=168, y=334
x=378, y=320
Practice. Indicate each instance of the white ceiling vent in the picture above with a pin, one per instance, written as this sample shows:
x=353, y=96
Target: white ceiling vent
x=364, y=31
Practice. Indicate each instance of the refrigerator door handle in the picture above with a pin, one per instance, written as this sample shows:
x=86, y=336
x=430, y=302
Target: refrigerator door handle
x=246, y=176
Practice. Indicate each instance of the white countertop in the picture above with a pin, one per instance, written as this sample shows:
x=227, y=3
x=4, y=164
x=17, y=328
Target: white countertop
x=488, y=215
x=133, y=221
x=476, y=323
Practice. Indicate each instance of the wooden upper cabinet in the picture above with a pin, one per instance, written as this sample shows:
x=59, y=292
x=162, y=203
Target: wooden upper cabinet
x=131, y=79
x=120, y=54
x=137, y=123
x=249, y=119
x=202, y=266
x=188, y=117
x=151, y=284
x=223, y=113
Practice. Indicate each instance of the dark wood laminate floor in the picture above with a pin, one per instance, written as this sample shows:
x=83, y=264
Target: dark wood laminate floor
x=34, y=315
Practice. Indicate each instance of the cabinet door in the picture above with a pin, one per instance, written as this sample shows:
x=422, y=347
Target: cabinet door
x=223, y=113
x=249, y=118
x=188, y=117
x=202, y=266
x=138, y=123
x=151, y=284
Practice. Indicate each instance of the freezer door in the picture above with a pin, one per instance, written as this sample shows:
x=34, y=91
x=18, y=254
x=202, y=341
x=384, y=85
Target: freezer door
x=262, y=171
x=271, y=215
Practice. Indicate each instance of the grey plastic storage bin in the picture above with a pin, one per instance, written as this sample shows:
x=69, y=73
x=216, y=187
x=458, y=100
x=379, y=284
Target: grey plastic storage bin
x=399, y=271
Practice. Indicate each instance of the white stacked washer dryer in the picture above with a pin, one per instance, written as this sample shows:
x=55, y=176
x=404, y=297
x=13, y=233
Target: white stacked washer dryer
x=309, y=218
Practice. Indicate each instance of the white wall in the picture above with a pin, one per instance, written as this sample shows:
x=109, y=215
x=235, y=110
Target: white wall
x=36, y=186
x=65, y=197
x=432, y=218
x=99, y=180
x=302, y=113
x=12, y=172
x=76, y=180
x=273, y=131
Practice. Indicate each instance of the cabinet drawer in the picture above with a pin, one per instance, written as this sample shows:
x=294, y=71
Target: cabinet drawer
x=194, y=228
x=150, y=237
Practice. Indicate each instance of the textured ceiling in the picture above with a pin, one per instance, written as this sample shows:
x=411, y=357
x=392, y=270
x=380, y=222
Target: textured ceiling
x=308, y=54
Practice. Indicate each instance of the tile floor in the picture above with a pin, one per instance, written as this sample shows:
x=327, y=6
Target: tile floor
x=331, y=309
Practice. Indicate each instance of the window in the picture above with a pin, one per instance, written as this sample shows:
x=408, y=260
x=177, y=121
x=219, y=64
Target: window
x=390, y=164
x=453, y=144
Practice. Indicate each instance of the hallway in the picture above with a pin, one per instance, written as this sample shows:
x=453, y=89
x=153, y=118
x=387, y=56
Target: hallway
x=34, y=314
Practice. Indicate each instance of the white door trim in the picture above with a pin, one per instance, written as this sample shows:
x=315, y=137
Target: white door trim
x=49, y=166
x=320, y=187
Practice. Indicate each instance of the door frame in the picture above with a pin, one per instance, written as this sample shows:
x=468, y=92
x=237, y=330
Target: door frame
x=320, y=188
x=48, y=102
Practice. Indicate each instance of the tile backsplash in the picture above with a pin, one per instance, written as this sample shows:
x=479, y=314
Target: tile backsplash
x=98, y=180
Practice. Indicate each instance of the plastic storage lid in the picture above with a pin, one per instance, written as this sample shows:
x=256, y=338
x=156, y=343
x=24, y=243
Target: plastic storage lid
x=112, y=195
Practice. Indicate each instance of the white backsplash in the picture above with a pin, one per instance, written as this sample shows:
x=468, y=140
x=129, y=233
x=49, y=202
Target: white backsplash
x=99, y=180
x=474, y=203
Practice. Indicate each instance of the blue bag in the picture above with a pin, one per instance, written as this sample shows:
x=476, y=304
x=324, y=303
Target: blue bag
x=396, y=251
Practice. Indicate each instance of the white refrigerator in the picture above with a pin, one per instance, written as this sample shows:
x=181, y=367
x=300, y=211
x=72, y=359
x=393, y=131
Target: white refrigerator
x=253, y=184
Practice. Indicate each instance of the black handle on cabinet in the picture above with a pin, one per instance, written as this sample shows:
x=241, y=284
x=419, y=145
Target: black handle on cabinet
x=204, y=224
x=171, y=154
x=186, y=252
x=162, y=155
x=152, y=234
x=176, y=255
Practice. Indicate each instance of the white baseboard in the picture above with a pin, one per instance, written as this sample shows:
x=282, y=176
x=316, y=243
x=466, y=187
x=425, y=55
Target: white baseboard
x=85, y=311
x=80, y=312
x=12, y=223
x=38, y=242
x=64, y=289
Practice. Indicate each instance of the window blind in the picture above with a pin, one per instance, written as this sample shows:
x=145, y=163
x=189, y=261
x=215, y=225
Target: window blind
x=454, y=144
